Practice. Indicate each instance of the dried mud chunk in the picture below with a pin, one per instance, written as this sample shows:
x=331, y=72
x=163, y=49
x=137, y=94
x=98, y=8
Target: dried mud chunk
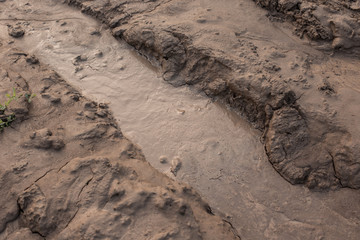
x=204, y=68
x=93, y=131
x=163, y=46
x=52, y=202
x=286, y=136
x=32, y=203
x=43, y=139
x=102, y=113
x=81, y=58
x=19, y=107
x=16, y=32
x=322, y=178
x=346, y=31
x=288, y=5
x=269, y=4
x=133, y=201
x=327, y=88
x=24, y=234
x=90, y=105
x=129, y=151
x=32, y=60
x=9, y=209
x=347, y=169
x=216, y=87
x=53, y=98
x=116, y=190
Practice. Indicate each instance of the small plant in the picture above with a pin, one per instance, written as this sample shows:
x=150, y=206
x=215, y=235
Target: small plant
x=10, y=99
x=6, y=120
x=29, y=96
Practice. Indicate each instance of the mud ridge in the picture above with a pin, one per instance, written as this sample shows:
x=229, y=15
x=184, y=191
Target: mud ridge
x=336, y=22
x=298, y=135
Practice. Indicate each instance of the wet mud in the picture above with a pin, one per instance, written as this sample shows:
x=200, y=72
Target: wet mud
x=300, y=100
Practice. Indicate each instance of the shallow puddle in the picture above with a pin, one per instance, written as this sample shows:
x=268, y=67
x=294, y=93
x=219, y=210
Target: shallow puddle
x=221, y=155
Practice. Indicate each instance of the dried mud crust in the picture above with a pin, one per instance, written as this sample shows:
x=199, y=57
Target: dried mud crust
x=300, y=140
x=335, y=21
x=67, y=172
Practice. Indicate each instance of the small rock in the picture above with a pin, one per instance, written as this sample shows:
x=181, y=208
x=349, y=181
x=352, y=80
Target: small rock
x=75, y=97
x=80, y=58
x=101, y=113
x=99, y=54
x=216, y=87
x=201, y=20
x=53, y=99
x=95, y=33
x=32, y=60
x=90, y=105
x=90, y=115
x=180, y=111
x=163, y=159
x=103, y=105
x=175, y=165
x=16, y=32
x=78, y=69
x=43, y=139
x=327, y=88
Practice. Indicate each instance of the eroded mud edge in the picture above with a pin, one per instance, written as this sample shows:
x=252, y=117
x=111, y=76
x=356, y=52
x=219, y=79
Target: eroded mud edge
x=305, y=148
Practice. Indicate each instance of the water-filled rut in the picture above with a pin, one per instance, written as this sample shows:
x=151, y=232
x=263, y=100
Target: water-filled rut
x=220, y=154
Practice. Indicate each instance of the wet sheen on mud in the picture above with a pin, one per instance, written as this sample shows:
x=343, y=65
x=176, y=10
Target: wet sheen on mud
x=221, y=155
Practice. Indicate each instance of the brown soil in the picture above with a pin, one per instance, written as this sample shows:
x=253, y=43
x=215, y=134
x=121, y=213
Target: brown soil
x=335, y=21
x=67, y=172
x=279, y=83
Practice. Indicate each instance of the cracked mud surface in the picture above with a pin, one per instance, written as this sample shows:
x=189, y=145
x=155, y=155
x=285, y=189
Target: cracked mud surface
x=303, y=101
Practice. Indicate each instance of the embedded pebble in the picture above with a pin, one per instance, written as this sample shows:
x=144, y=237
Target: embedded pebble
x=163, y=159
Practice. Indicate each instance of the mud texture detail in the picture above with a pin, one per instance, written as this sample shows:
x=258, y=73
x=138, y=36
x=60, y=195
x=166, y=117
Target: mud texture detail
x=335, y=21
x=79, y=177
x=296, y=145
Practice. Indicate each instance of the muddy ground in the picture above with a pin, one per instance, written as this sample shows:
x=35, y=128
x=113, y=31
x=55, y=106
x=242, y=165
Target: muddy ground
x=67, y=171
x=298, y=86
x=311, y=134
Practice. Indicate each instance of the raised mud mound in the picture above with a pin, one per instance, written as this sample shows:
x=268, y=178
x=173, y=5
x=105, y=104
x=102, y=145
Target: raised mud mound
x=337, y=21
x=280, y=88
x=67, y=172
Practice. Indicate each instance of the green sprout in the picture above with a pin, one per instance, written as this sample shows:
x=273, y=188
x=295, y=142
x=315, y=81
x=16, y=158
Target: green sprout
x=29, y=96
x=6, y=120
x=12, y=97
